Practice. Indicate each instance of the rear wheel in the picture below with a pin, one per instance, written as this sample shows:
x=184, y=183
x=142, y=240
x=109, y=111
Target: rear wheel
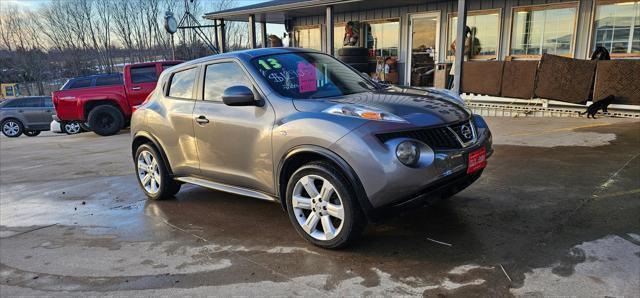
x=72, y=127
x=321, y=206
x=31, y=133
x=153, y=176
x=12, y=128
x=106, y=120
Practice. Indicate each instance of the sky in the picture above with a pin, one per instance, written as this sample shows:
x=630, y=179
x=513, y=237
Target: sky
x=33, y=4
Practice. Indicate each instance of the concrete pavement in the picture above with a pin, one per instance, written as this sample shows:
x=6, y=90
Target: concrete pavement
x=555, y=213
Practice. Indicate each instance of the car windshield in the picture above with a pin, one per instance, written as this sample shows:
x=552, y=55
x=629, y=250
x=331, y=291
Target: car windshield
x=310, y=75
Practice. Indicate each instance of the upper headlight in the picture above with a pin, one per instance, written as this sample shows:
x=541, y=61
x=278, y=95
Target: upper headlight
x=363, y=112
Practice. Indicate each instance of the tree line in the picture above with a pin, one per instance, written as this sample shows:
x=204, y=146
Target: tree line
x=67, y=38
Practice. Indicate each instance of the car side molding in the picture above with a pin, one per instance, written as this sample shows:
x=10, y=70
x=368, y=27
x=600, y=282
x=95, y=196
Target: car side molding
x=228, y=188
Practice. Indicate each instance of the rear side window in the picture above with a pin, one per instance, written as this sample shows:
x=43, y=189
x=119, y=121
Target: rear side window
x=36, y=102
x=80, y=83
x=144, y=74
x=48, y=103
x=108, y=80
x=221, y=76
x=12, y=104
x=181, y=85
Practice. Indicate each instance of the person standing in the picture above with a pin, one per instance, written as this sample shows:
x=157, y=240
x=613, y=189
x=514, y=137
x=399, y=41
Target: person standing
x=468, y=40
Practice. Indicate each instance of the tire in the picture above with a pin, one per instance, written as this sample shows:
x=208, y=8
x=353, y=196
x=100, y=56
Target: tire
x=354, y=59
x=85, y=126
x=106, y=120
x=341, y=197
x=32, y=133
x=12, y=128
x=353, y=51
x=165, y=186
x=71, y=128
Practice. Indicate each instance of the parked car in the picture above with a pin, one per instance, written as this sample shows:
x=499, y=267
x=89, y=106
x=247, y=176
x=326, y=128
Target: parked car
x=105, y=102
x=305, y=130
x=28, y=115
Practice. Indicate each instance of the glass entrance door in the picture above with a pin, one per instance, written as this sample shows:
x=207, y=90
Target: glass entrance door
x=424, y=32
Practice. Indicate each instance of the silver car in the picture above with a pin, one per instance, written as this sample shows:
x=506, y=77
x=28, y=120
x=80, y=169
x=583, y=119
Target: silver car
x=301, y=128
x=28, y=115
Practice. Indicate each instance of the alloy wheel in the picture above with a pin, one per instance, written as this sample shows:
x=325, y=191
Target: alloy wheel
x=11, y=128
x=318, y=207
x=149, y=172
x=72, y=127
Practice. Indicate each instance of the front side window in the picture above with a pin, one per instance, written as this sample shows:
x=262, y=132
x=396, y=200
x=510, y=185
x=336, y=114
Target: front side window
x=48, y=103
x=181, y=85
x=308, y=38
x=220, y=76
x=143, y=74
x=309, y=75
x=485, y=33
x=544, y=29
x=617, y=27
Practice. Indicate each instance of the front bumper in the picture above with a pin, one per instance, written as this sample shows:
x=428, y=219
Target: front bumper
x=387, y=182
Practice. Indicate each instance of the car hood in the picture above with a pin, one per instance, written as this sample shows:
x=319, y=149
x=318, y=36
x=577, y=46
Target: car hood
x=416, y=106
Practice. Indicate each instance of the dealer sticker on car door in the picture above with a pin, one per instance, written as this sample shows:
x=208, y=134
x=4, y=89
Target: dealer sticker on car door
x=477, y=160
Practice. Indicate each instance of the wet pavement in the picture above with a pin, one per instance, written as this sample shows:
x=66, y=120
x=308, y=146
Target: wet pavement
x=557, y=212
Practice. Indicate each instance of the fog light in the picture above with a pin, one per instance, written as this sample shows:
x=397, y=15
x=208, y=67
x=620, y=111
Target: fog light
x=408, y=153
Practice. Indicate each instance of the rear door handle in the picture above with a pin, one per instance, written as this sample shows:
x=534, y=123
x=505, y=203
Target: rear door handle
x=202, y=120
x=20, y=111
x=137, y=88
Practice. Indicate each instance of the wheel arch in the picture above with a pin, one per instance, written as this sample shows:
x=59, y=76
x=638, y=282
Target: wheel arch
x=303, y=154
x=144, y=138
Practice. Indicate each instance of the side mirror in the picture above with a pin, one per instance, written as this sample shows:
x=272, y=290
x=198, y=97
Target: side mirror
x=238, y=96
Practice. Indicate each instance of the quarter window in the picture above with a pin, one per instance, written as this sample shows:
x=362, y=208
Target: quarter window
x=144, y=74
x=617, y=27
x=544, y=29
x=182, y=82
x=221, y=76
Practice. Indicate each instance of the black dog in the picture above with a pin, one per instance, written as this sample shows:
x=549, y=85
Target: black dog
x=603, y=104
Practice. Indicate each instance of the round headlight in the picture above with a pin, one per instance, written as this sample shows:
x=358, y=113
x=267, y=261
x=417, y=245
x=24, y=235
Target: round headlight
x=408, y=153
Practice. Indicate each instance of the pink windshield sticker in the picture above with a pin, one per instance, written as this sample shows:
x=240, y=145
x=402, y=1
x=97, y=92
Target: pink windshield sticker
x=307, y=77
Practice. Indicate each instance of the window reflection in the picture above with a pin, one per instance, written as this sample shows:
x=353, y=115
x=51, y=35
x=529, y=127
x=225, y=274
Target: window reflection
x=546, y=29
x=617, y=27
x=485, y=31
x=308, y=38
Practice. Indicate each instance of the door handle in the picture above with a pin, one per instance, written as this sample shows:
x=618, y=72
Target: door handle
x=20, y=111
x=202, y=120
x=137, y=88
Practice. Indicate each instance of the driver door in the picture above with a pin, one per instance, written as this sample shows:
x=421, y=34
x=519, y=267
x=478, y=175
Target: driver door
x=234, y=143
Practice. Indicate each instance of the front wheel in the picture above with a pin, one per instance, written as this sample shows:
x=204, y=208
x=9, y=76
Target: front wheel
x=12, y=128
x=153, y=176
x=31, y=133
x=322, y=207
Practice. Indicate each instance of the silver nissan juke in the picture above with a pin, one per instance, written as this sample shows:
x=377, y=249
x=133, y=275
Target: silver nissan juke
x=301, y=128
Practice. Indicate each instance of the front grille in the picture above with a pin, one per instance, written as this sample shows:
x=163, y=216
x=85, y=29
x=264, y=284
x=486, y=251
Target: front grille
x=437, y=138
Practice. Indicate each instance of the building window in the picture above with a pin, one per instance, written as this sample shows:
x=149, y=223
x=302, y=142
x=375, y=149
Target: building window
x=544, y=29
x=617, y=27
x=485, y=34
x=382, y=38
x=308, y=38
x=338, y=37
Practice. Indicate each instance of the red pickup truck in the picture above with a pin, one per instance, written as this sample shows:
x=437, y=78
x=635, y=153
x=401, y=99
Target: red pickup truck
x=105, y=102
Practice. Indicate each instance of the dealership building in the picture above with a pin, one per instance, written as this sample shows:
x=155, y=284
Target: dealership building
x=417, y=35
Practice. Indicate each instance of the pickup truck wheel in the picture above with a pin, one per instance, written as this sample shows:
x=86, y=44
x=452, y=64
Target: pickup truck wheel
x=153, y=176
x=31, y=133
x=322, y=207
x=106, y=120
x=12, y=128
x=85, y=126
